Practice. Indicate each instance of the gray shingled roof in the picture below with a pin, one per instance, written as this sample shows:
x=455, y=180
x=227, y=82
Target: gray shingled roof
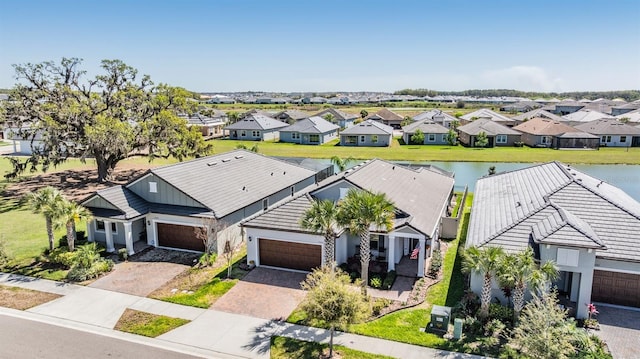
x=586, y=116
x=128, y=203
x=421, y=192
x=577, y=134
x=385, y=114
x=257, y=122
x=312, y=124
x=609, y=126
x=565, y=229
x=285, y=217
x=487, y=126
x=426, y=126
x=368, y=127
x=340, y=115
x=538, y=113
x=429, y=115
x=231, y=181
x=506, y=206
x=294, y=114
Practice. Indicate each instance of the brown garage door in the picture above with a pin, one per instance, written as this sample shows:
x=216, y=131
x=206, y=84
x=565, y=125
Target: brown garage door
x=289, y=255
x=616, y=288
x=177, y=236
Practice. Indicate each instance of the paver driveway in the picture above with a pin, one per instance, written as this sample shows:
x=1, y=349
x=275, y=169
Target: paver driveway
x=620, y=328
x=264, y=293
x=139, y=278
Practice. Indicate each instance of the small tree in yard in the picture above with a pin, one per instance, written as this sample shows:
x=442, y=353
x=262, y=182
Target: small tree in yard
x=451, y=137
x=407, y=120
x=331, y=300
x=487, y=262
x=364, y=113
x=482, y=140
x=208, y=232
x=329, y=117
x=544, y=331
x=70, y=213
x=230, y=247
x=417, y=137
x=47, y=201
x=4, y=256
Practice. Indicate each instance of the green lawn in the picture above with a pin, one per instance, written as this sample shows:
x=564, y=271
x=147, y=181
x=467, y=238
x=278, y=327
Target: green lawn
x=287, y=348
x=399, y=152
x=147, y=324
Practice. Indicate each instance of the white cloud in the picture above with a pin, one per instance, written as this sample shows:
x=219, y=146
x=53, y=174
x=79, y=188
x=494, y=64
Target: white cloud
x=525, y=78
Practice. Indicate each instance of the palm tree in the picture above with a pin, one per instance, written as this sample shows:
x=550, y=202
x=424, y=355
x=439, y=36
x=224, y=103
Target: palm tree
x=359, y=211
x=520, y=270
x=70, y=213
x=341, y=163
x=486, y=261
x=322, y=217
x=47, y=201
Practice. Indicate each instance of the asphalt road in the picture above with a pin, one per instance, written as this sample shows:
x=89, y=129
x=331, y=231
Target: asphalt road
x=22, y=338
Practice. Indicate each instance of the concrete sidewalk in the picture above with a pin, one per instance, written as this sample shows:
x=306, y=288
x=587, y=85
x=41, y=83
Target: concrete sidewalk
x=210, y=333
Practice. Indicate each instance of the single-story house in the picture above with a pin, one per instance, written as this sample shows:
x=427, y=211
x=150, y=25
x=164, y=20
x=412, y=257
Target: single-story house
x=625, y=107
x=434, y=133
x=367, y=133
x=387, y=117
x=497, y=134
x=437, y=116
x=421, y=198
x=209, y=126
x=589, y=228
x=290, y=116
x=164, y=206
x=543, y=132
x=538, y=113
x=565, y=107
x=631, y=117
x=484, y=113
x=521, y=106
x=310, y=131
x=343, y=119
x=255, y=128
x=584, y=116
x=612, y=132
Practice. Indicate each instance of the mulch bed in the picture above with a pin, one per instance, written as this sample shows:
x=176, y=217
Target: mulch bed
x=22, y=299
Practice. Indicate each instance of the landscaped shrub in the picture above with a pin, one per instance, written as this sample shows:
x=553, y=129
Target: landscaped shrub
x=207, y=259
x=4, y=256
x=344, y=267
x=436, y=264
x=88, y=264
x=81, y=238
x=468, y=305
x=123, y=254
x=62, y=256
x=375, y=281
x=388, y=280
x=378, y=304
x=354, y=276
x=472, y=326
x=502, y=313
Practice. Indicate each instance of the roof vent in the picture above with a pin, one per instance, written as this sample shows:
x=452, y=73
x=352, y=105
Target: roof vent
x=393, y=168
x=271, y=173
x=579, y=179
x=239, y=156
x=212, y=163
x=598, y=185
x=226, y=160
x=244, y=188
x=284, y=173
x=518, y=204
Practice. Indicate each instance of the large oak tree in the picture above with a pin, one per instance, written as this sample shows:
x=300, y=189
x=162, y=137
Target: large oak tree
x=109, y=117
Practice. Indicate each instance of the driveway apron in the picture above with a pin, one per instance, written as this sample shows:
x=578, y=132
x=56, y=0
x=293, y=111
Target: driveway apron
x=620, y=328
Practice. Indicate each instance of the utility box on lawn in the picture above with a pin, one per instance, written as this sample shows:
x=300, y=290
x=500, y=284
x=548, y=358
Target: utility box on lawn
x=440, y=317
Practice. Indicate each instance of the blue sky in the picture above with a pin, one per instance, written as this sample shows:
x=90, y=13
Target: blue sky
x=333, y=45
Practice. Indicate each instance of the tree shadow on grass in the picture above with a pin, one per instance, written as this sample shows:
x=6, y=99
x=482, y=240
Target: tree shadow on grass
x=261, y=341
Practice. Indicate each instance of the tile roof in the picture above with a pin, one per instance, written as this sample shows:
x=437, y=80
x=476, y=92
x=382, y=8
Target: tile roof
x=293, y=114
x=257, y=122
x=486, y=113
x=608, y=126
x=487, y=126
x=543, y=126
x=368, y=127
x=385, y=114
x=312, y=124
x=435, y=116
x=507, y=206
x=632, y=116
x=230, y=181
x=129, y=204
x=586, y=116
x=565, y=229
x=426, y=126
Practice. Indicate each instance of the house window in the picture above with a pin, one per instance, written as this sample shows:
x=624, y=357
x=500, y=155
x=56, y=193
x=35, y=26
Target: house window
x=255, y=133
x=373, y=242
x=568, y=257
x=351, y=140
x=293, y=190
x=100, y=227
x=153, y=187
x=361, y=138
x=444, y=138
x=623, y=139
x=314, y=138
x=374, y=139
x=265, y=204
x=243, y=133
x=431, y=137
x=501, y=139
x=606, y=139
x=295, y=135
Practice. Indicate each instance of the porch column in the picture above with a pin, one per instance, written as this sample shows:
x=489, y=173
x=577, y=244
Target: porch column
x=584, y=298
x=128, y=238
x=575, y=286
x=406, y=249
x=421, y=257
x=108, y=236
x=90, y=230
x=391, y=260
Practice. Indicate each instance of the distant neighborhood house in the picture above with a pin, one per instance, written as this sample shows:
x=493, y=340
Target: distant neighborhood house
x=255, y=127
x=310, y=131
x=367, y=133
